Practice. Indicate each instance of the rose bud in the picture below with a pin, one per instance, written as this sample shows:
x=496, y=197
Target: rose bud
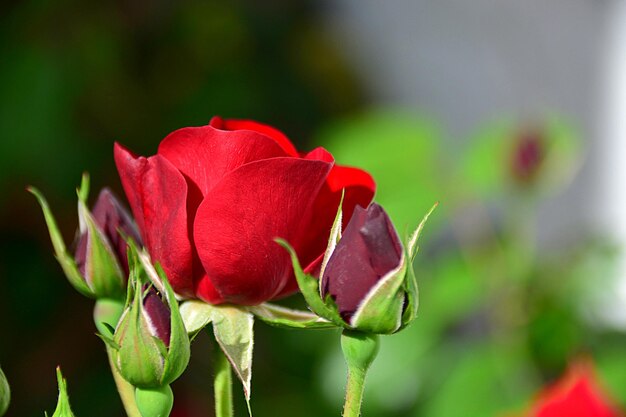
x=151, y=346
x=213, y=198
x=527, y=157
x=578, y=393
x=367, y=279
x=99, y=267
x=101, y=246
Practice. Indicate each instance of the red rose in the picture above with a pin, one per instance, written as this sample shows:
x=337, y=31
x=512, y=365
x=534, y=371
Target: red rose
x=213, y=198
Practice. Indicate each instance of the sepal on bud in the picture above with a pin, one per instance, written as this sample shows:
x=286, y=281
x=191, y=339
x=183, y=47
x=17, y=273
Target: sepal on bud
x=151, y=346
x=98, y=268
x=367, y=281
x=63, y=404
x=5, y=393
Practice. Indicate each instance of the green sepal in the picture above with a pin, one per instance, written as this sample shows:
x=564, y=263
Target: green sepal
x=83, y=190
x=233, y=330
x=63, y=404
x=309, y=286
x=63, y=257
x=410, y=283
x=278, y=316
x=412, y=243
x=333, y=239
x=5, y=393
x=412, y=295
x=380, y=311
x=103, y=272
x=179, y=350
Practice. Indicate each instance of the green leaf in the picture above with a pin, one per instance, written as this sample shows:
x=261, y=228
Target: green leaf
x=233, y=329
x=5, y=393
x=63, y=404
x=287, y=318
x=63, y=257
x=381, y=309
x=309, y=287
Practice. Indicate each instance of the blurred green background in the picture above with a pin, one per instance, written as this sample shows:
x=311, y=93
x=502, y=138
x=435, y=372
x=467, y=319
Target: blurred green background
x=499, y=316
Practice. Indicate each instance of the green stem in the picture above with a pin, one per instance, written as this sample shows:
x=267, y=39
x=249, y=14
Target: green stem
x=222, y=386
x=126, y=390
x=109, y=311
x=359, y=350
x=354, y=393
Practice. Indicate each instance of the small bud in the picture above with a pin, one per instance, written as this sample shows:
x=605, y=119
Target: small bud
x=368, y=250
x=63, y=404
x=99, y=267
x=101, y=246
x=5, y=394
x=527, y=157
x=367, y=279
x=150, y=342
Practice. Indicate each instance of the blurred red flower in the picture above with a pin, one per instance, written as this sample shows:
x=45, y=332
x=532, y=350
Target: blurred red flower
x=577, y=394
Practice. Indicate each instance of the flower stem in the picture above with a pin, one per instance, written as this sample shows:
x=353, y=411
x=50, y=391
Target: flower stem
x=109, y=311
x=126, y=390
x=359, y=350
x=354, y=393
x=222, y=386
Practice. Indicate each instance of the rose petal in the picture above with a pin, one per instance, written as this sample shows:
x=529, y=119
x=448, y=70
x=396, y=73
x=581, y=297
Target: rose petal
x=205, y=154
x=238, y=220
x=241, y=125
x=157, y=193
x=158, y=316
x=368, y=250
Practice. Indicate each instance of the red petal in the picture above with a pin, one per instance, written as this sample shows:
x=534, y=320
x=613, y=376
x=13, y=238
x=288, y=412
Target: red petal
x=205, y=154
x=237, y=222
x=242, y=125
x=157, y=194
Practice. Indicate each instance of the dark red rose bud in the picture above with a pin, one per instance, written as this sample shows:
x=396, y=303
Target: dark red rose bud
x=115, y=223
x=528, y=155
x=369, y=249
x=158, y=316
